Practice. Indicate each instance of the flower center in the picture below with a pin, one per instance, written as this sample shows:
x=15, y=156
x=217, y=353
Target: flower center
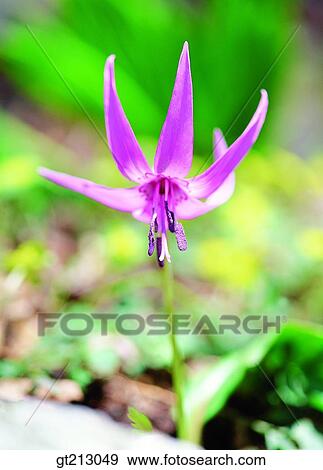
x=163, y=220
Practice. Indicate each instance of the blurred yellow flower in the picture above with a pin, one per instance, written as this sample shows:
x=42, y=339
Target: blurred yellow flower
x=231, y=265
x=310, y=243
x=29, y=258
x=248, y=215
x=281, y=171
x=123, y=243
x=18, y=173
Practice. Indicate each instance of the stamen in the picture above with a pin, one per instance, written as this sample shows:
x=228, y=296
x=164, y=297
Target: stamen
x=159, y=247
x=151, y=239
x=180, y=237
x=155, y=224
x=170, y=218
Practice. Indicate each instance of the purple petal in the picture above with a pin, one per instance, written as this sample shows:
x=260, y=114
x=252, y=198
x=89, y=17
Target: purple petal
x=192, y=207
x=175, y=146
x=144, y=214
x=208, y=182
x=122, y=141
x=122, y=199
x=219, y=144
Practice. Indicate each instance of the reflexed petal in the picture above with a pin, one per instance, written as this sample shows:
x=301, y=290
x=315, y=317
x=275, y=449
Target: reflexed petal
x=192, y=207
x=144, y=214
x=122, y=199
x=224, y=192
x=175, y=146
x=219, y=144
x=205, y=184
x=122, y=141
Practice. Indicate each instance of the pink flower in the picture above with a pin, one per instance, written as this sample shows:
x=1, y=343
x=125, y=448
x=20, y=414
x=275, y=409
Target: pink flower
x=164, y=195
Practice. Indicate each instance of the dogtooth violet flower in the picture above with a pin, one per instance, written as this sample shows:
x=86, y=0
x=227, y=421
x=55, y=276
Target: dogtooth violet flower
x=163, y=194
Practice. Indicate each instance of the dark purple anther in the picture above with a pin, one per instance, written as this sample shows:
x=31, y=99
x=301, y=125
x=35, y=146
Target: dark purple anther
x=180, y=237
x=159, y=250
x=170, y=218
x=156, y=225
x=151, y=240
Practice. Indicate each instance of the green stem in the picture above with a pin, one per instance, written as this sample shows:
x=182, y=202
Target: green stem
x=178, y=375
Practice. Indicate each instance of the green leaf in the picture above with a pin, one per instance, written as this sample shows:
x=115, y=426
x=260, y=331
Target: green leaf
x=102, y=361
x=81, y=376
x=11, y=368
x=279, y=439
x=138, y=420
x=307, y=437
x=207, y=392
x=301, y=435
x=316, y=400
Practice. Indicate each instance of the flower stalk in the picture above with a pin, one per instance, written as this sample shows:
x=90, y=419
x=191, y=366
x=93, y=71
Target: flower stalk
x=177, y=366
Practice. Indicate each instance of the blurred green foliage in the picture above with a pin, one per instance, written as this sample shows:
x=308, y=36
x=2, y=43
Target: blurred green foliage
x=272, y=370
x=58, y=58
